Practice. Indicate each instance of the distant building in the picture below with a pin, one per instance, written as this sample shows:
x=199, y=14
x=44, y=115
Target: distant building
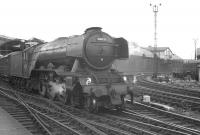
x=198, y=53
x=8, y=45
x=163, y=52
x=3, y=40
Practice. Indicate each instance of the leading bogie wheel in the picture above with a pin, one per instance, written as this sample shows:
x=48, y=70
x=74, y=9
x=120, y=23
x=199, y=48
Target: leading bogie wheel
x=91, y=104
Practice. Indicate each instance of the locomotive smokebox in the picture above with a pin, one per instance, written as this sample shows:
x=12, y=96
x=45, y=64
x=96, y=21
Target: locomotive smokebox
x=99, y=49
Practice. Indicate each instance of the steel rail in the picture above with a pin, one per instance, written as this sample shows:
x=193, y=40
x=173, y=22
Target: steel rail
x=29, y=100
x=43, y=125
x=32, y=97
x=142, y=80
x=185, y=120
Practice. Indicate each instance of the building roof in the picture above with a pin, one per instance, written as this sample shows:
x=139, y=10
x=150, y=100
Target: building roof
x=158, y=49
x=4, y=39
x=198, y=51
x=8, y=45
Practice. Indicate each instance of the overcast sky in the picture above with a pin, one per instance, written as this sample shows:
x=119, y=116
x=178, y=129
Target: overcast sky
x=178, y=20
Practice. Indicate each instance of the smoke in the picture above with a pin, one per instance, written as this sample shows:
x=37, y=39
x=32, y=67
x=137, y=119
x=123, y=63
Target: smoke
x=56, y=88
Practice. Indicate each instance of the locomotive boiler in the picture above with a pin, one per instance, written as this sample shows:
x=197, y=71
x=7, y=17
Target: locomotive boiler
x=97, y=49
x=76, y=70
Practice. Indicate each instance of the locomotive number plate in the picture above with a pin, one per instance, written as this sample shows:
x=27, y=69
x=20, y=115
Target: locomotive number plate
x=101, y=39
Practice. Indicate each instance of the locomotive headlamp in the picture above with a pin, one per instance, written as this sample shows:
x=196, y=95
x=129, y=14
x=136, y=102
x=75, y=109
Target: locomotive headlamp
x=94, y=101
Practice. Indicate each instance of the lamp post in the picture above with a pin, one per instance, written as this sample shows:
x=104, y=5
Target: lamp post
x=155, y=67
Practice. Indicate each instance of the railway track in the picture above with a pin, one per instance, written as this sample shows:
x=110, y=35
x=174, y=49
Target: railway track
x=56, y=111
x=107, y=126
x=62, y=114
x=28, y=119
x=143, y=81
x=165, y=117
x=50, y=120
x=138, y=122
x=167, y=96
x=106, y=122
x=58, y=116
x=154, y=124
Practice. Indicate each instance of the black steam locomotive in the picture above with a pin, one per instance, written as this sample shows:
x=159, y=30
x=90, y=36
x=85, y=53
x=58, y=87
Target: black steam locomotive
x=76, y=70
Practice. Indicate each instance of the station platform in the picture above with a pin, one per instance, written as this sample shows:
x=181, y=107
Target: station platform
x=10, y=126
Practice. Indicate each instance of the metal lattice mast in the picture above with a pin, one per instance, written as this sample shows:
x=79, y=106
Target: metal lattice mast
x=155, y=10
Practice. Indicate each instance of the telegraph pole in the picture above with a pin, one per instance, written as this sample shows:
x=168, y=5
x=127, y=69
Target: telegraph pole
x=155, y=67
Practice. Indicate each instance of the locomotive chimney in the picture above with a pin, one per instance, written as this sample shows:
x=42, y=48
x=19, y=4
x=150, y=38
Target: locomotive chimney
x=93, y=29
